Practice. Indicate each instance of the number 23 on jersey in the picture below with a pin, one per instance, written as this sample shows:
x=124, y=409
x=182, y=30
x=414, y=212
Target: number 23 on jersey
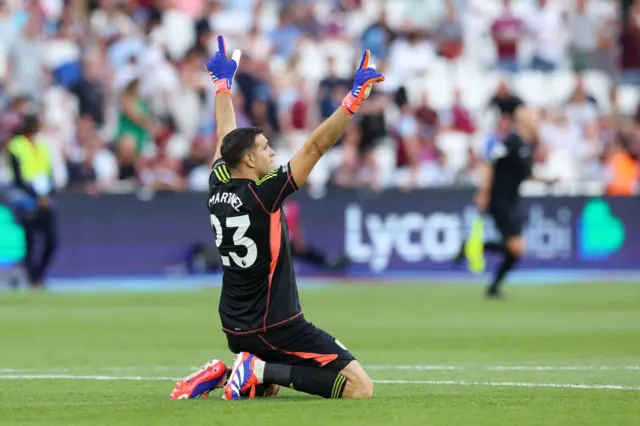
x=241, y=225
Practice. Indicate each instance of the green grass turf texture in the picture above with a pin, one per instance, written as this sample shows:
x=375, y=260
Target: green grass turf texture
x=163, y=335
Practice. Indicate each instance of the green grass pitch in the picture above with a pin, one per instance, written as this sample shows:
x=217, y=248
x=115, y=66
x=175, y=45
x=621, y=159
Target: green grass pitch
x=442, y=355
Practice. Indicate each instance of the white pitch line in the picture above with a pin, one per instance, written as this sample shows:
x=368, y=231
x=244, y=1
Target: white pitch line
x=82, y=377
x=413, y=367
x=384, y=382
x=510, y=384
x=561, y=368
x=502, y=367
x=373, y=367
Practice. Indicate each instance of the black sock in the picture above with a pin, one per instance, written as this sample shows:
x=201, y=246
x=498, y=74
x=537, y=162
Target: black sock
x=508, y=262
x=314, y=256
x=495, y=247
x=460, y=256
x=312, y=380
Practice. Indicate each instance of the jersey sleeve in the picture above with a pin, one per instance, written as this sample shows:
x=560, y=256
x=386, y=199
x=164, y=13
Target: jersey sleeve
x=219, y=173
x=272, y=189
x=504, y=151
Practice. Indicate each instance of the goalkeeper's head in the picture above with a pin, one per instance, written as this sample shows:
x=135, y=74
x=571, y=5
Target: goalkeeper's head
x=246, y=151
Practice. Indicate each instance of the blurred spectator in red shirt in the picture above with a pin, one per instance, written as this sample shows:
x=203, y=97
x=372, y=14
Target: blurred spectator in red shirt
x=630, y=45
x=460, y=118
x=507, y=31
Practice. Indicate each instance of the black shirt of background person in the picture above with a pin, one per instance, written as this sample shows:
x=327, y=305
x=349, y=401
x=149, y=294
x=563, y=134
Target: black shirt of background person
x=507, y=104
x=327, y=87
x=372, y=127
x=252, y=86
x=512, y=164
x=90, y=100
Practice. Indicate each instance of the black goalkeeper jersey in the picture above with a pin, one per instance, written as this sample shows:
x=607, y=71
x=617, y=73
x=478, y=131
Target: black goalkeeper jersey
x=512, y=164
x=259, y=288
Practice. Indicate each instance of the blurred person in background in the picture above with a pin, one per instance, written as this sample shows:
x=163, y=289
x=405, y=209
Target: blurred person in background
x=436, y=173
x=134, y=121
x=127, y=160
x=585, y=30
x=501, y=131
x=161, y=173
x=25, y=73
x=330, y=89
x=411, y=56
x=547, y=24
x=630, y=47
x=504, y=100
x=9, y=30
x=622, y=171
x=91, y=91
x=582, y=107
x=507, y=31
x=498, y=194
x=196, y=167
x=449, y=34
x=286, y=35
x=459, y=118
x=378, y=37
x=561, y=140
x=90, y=165
x=30, y=162
x=364, y=134
x=592, y=167
x=471, y=173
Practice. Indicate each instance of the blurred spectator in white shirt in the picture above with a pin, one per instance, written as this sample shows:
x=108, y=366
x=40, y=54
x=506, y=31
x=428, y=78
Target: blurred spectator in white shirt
x=91, y=166
x=582, y=108
x=411, y=57
x=550, y=36
x=565, y=149
x=26, y=71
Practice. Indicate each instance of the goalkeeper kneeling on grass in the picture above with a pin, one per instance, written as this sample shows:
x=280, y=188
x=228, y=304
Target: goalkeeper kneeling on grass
x=259, y=306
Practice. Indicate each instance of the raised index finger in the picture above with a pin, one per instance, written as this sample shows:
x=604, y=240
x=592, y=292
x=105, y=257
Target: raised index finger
x=364, y=63
x=221, y=47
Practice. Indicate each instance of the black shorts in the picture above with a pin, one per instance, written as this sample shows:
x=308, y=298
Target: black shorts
x=507, y=217
x=295, y=343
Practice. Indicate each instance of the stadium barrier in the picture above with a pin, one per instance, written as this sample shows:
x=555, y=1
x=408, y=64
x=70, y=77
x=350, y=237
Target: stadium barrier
x=395, y=232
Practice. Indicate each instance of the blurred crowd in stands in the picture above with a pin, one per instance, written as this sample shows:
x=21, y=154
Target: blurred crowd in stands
x=125, y=101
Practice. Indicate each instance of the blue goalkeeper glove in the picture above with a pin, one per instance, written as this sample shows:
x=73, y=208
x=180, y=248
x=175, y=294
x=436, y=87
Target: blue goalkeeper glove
x=222, y=69
x=365, y=77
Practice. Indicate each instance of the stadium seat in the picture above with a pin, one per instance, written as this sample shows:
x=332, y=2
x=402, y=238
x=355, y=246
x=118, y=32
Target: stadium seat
x=530, y=85
x=593, y=188
x=561, y=84
x=385, y=155
x=599, y=85
x=532, y=188
x=455, y=146
x=179, y=31
x=3, y=63
x=440, y=90
x=628, y=99
x=344, y=54
x=477, y=88
x=312, y=62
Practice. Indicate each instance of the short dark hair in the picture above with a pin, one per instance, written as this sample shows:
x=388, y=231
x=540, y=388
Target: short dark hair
x=30, y=124
x=237, y=143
